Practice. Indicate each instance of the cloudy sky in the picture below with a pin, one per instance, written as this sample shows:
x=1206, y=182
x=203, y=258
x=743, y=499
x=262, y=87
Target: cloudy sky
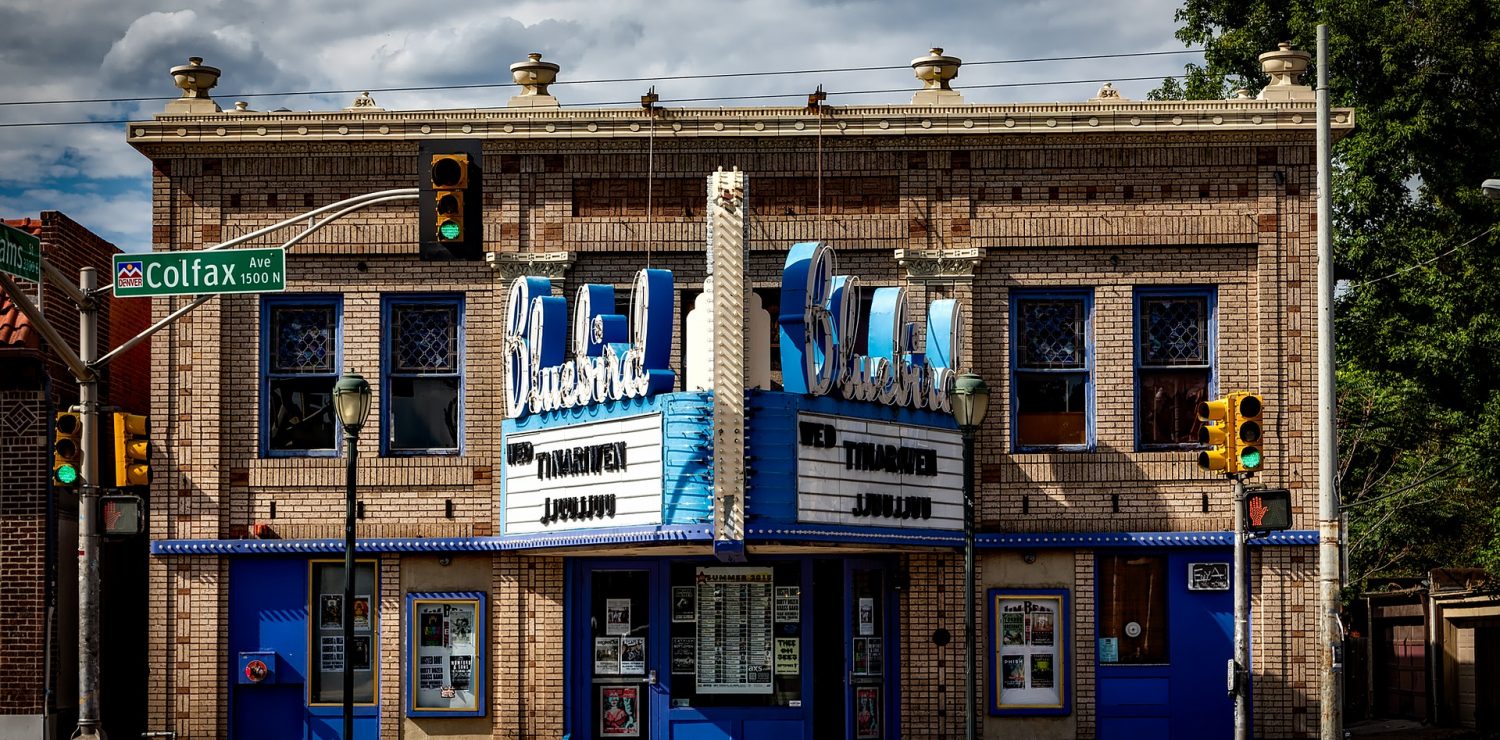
x=68, y=50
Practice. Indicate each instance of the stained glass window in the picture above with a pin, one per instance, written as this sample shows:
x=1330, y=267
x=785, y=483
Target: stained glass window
x=1052, y=377
x=1173, y=365
x=301, y=360
x=424, y=380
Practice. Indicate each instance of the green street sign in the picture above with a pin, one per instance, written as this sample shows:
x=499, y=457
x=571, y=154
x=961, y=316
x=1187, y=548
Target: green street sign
x=200, y=273
x=20, y=253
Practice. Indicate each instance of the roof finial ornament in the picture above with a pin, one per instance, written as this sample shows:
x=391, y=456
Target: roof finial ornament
x=936, y=71
x=534, y=75
x=1285, y=66
x=1108, y=94
x=363, y=102
x=195, y=80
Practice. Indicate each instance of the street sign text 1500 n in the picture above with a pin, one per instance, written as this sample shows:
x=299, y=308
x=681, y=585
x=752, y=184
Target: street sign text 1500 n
x=199, y=273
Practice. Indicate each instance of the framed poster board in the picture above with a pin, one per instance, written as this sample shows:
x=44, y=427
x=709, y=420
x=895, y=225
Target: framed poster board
x=445, y=654
x=1028, y=650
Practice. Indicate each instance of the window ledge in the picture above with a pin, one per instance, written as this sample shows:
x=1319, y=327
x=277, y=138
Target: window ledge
x=406, y=471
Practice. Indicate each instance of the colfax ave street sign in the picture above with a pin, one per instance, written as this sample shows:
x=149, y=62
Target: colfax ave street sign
x=20, y=254
x=199, y=273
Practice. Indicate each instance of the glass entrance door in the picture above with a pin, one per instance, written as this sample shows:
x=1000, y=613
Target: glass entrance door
x=869, y=651
x=620, y=653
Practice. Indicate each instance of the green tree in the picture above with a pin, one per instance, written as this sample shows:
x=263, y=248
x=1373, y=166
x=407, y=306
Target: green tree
x=1416, y=245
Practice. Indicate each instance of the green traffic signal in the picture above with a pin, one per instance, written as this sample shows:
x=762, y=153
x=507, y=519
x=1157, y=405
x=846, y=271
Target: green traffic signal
x=67, y=474
x=1250, y=458
x=449, y=230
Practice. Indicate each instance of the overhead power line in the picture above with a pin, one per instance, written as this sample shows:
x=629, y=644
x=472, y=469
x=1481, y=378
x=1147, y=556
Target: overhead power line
x=768, y=96
x=484, y=85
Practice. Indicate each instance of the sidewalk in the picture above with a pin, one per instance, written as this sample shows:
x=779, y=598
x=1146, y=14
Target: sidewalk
x=1401, y=729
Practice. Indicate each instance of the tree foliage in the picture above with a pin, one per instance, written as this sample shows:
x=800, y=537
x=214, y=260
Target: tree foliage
x=1415, y=241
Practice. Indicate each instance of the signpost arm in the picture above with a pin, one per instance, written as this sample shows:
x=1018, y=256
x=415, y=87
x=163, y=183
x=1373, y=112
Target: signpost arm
x=75, y=364
x=63, y=283
x=363, y=201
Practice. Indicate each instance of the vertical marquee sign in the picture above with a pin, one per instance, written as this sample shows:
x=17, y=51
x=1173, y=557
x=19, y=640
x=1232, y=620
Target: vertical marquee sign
x=727, y=260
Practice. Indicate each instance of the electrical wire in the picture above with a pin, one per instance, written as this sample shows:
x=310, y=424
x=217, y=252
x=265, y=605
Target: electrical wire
x=769, y=96
x=714, y=76
x=1427, y=261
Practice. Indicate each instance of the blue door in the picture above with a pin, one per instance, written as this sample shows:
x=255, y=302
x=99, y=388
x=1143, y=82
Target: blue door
x=869, y=652
x=1163, y=640
x=268, y=614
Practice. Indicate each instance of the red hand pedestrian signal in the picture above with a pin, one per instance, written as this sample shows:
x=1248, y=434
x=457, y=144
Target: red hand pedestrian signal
x=1257, y=510
x=1268, y=509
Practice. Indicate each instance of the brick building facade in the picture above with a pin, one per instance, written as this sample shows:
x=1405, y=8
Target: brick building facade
x=38, y=520
x=1112, y=212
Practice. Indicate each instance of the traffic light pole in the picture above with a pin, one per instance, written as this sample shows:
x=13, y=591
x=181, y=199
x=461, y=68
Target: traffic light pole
x=88, y=509
x=1241, y=671
x=83, y=366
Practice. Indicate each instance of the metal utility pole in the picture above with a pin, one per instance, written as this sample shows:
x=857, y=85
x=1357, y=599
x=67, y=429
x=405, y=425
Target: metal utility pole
x=970, y=683
x=1240, y=676
x=1329, y=632
x=88, y=499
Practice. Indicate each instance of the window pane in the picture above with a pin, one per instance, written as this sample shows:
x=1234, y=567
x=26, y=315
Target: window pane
x=301, y=413
x=304, y=339
x=1051, y=409
x=424, y=413
x=426, y=339
x=1051, y=333
x=1133, y=607
x=1174, y=331
x=1168, y=406
x=328, y=649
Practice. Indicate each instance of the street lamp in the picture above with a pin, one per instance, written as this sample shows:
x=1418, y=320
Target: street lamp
x=1492, y=188
x=970, y=399
x=351, y=399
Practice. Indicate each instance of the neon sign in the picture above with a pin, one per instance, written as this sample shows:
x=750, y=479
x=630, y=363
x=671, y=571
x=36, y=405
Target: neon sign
x=820, y=321
x=612, y=359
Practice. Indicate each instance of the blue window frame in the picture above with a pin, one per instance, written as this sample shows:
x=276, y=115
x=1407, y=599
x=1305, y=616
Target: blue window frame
x=1052, y=361
x=422, y=376
x=1174, y=364
x=301, y=353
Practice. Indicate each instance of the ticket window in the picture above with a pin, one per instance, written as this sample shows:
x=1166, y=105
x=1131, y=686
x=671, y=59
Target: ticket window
x=620, y=641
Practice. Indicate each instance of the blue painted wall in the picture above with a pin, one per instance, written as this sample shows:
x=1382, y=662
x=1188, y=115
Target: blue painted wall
x=1185, y=699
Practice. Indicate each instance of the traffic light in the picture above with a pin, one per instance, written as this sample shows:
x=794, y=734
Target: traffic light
x=1248, y=433
x=1218, y=418
x=67, y=447
x=1268, y=509
x=451, y=185
x=132, y=450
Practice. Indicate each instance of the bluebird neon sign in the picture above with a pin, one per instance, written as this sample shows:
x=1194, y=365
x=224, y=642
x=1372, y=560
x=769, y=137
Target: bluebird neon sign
x=820, y=322
x=612, y=359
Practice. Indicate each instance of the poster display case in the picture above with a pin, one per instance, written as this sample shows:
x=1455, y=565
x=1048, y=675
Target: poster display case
x=445, y=654
x=326, y=646
x=1028, y=652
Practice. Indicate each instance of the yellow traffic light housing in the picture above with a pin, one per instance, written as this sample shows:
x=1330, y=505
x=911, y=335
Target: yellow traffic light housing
x=1218, y=418
x=67, y=447
x=1249, y=432
x=132, y=450
x=450, y=177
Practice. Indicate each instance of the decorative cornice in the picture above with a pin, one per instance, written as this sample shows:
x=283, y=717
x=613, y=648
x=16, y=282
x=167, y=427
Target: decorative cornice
x=1156, y=117
x=511, y=265
x=940, y=264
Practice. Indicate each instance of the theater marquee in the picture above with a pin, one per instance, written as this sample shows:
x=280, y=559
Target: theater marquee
x=870, y=473
x=584, y=476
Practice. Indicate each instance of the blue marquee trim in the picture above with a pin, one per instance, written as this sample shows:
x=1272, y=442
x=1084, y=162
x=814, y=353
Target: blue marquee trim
x=1139, y=539
x=433, y=544
x=880, y=535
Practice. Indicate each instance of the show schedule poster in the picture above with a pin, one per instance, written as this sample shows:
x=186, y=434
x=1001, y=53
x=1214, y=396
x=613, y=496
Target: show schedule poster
x=789, y=604
x=684, y=655
x=444, y=643
x=1027, y=639
x=735, y=630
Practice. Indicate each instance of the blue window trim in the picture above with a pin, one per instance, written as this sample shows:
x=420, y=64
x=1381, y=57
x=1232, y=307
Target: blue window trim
x=1087, y=296
x=267, y=304
x=388, y=303
x=481, y=652
x=1210, y=294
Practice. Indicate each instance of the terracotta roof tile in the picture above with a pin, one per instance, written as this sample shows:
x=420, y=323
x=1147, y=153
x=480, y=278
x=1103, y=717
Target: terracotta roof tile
x=29, y=225
x=15, y=328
